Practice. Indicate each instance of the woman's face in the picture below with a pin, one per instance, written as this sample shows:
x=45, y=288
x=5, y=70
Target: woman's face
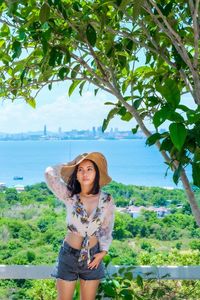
x=86, y=173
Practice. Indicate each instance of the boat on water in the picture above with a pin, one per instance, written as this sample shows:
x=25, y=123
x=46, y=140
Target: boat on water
x=18, y=178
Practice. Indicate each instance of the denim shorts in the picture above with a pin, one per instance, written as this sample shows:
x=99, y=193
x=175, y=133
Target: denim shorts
x=67, y=266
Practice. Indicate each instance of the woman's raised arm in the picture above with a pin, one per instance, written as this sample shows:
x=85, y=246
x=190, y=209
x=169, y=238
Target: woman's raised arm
x=55, y=183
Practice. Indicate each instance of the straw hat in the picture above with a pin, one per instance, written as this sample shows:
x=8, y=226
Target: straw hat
x=100, y=160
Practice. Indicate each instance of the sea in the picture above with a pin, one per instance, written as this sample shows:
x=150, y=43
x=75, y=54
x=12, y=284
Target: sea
x=129, y=161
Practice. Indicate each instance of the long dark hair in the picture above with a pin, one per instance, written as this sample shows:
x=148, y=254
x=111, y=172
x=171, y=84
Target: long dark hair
x=74, y=186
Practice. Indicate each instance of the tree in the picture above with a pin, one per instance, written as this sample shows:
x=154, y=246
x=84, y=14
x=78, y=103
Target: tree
x=11, y=196
x=99, y=42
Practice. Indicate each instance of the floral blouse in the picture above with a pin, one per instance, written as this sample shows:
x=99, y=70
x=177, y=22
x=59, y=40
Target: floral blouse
x=99, y=223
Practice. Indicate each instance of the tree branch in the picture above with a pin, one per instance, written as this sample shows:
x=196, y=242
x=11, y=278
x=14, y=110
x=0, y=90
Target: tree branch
x=194, y=12
x=187, y=82
x=176, y=40
x=157, y=51
x=4, y=21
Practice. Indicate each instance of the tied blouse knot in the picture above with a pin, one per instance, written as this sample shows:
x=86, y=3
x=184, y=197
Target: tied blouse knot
x=99, y=223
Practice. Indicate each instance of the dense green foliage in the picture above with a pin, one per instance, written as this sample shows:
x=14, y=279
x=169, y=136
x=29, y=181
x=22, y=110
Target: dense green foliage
x=33, y=224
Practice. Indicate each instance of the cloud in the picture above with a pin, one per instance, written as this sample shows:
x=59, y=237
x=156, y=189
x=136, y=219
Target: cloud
x=56, y=109
x=68, y=113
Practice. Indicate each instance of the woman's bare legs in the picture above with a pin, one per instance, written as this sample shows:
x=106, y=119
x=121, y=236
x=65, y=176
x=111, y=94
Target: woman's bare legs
x=65, y=289
x=88, y=289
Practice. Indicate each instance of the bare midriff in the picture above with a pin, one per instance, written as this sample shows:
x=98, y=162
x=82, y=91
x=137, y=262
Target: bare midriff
x=75, y=240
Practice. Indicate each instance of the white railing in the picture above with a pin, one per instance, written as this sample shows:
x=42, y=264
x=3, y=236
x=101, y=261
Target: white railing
x=147, y=272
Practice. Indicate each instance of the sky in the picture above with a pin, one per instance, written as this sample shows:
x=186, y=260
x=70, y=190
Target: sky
x=56, y=109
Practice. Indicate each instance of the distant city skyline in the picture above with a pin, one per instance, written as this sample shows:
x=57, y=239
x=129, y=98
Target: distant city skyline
x=55, y=109
x=61, y=130
x=92, y=133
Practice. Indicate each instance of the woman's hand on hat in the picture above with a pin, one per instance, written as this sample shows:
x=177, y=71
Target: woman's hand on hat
x=97, y=258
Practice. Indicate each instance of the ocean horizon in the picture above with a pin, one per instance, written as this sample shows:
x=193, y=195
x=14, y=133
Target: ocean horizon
x=130, y=161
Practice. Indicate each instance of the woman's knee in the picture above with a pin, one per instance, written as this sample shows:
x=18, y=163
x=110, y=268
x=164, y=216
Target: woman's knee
x=65, y=289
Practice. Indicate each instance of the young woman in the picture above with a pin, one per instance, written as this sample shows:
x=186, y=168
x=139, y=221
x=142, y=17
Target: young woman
x=90, y=221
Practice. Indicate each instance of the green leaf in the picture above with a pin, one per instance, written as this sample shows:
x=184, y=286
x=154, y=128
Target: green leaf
x=76, y=6
x=22, y=34
x=63, y=72
x=2, y=42
x=22, y=76
x=67, y=57
x=124, y=3
x=121, y=270
x=137, y=103
x=127, y=117
x=17, y=49
x=122, y=111
x=105, y=124
x=139, y=281
x=96, y=91
x=196, y=173
x=152, y=139
x=134, y=130
x=116, y=283
x=31, y=101
x=122, y=61
x=166, y=144
x=193, y=117
x=75, y=71
x=110, y=115
x=107, y=259
x=170, y=92
x=176, y=174
x=109, y=103
x=4, y=30
x=160, y=117
x=53, y=57
x=81, y=87
x=44, y=13
x=184, y=108
x=73, y=86
x=141, y=71
x=128, y=275
x=109, y=291
x=126, y=294
x=91, y=35
x=196, y=168
x=178, y=134
x=197, y=156
x=174, y=116
x=153, y=100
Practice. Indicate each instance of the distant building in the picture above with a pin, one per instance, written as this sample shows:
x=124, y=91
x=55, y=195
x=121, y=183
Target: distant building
x=99, y=131
x=2, y=185
x=94, y=133
x=19, y=187
x=168, y=187
x=135, y=211
x=93, y=130
x=45, y=130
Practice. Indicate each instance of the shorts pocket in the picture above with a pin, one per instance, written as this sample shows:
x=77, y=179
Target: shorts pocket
x=64, y=253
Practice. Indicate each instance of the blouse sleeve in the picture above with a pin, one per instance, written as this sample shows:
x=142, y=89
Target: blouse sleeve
x=106, y=238
x=54, y=183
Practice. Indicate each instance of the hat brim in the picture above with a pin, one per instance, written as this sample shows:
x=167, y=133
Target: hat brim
x=97, y=157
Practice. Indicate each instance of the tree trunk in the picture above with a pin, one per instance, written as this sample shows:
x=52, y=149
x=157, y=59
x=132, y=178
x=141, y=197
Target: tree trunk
x=190, y=194
x=191, y=197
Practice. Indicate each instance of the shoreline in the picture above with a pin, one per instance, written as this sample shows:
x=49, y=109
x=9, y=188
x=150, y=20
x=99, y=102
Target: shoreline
x=21, y=184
